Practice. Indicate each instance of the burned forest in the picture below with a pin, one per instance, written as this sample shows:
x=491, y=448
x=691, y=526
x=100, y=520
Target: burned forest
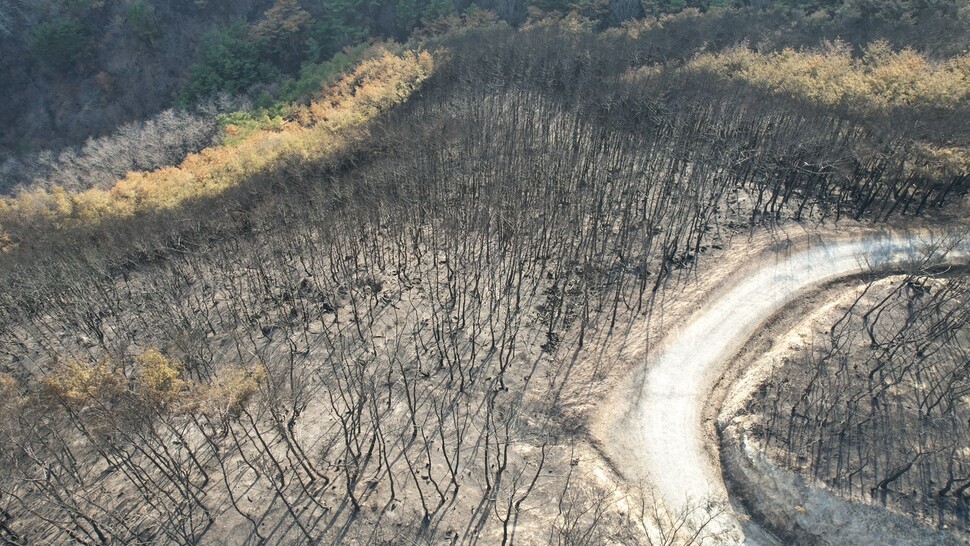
x=392, y=312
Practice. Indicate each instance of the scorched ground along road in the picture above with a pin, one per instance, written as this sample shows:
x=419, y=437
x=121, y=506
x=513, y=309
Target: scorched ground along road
x=676, y=452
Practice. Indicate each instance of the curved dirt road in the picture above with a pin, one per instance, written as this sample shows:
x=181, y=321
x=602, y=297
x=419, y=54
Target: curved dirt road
x=678, y=456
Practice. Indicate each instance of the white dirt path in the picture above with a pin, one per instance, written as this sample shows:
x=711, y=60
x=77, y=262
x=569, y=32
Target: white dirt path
x=678, y=456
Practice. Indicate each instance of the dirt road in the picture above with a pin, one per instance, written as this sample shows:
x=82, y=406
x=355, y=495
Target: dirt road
x=678, y=456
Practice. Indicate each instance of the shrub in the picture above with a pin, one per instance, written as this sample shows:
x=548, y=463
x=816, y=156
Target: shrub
x=78, y=383
x=159, y=379
x=61, y=43
x=141, y=21
x=237, y=126
x=283, y=30
x=226, y=396
x=8, y=388
x=342, y=24
x=314, y=76
x=231, y=62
